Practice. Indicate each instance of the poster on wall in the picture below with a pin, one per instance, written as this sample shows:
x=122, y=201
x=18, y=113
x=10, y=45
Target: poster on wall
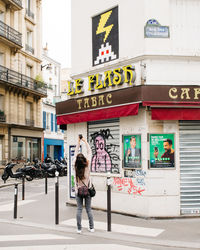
x=105, y=41
x=161, y=151
x=132, y=151
x=71, y=171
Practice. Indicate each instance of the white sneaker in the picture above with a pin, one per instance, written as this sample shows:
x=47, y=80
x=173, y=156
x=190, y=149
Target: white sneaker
x=91, y=230
x=78, y=231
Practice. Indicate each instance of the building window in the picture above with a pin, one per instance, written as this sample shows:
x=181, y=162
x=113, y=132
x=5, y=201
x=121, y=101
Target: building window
x=2, y=59
x=29, y=7
x=1, y=16
x=55, y=71
x=56, y=87
x=29, y=114
x=48, y=121
x=29, y=42
x=28, y=71
x=1, y=102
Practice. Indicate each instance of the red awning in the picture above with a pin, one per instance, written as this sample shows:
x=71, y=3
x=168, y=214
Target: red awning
x=99, y=114
x=169, y=103
x=175, y=114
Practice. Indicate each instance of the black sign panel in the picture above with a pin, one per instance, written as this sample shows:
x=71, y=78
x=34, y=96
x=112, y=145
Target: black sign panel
x=105, y=37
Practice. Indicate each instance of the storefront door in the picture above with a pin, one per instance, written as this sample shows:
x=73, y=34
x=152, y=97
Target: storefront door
x=189, y=141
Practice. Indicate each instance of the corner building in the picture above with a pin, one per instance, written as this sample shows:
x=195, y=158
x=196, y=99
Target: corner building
x=135, y=95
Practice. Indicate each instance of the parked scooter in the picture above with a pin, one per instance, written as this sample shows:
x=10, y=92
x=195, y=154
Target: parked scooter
x=49, y=169
x=61, y=168
x=8, y=172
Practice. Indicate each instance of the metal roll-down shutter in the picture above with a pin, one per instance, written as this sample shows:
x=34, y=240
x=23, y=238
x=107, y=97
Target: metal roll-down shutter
x=189, y=134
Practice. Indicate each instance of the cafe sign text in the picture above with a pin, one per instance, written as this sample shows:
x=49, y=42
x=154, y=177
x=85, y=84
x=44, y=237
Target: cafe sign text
x=109, y=78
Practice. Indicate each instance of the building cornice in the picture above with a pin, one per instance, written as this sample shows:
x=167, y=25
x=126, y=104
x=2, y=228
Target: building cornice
x=129, y=60
x=30, y=56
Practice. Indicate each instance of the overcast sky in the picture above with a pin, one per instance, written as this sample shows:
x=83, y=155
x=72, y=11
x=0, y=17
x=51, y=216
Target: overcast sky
x=57, y=30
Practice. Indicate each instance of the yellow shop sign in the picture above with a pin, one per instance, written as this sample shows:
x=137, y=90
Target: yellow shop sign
x=109, y=78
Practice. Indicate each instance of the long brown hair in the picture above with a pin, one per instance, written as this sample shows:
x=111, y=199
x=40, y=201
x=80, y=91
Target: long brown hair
x=80, y=165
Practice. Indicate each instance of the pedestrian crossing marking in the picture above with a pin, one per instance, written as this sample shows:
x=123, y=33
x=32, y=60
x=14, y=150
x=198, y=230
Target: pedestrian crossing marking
x=10, y=206
x=27, y=237
x=118, y=228
x=76, y=247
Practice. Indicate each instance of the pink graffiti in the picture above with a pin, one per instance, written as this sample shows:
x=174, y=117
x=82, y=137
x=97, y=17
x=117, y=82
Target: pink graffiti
x=121, y=183
x=101, y=161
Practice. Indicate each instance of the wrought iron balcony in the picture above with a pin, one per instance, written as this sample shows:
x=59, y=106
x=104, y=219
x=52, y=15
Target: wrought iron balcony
x=14, y=4
x=11, y=34
x=30, y=122
x=29, y=13
x=18, y=2
x=14, y=78
x=29, y=48
x=2, y=118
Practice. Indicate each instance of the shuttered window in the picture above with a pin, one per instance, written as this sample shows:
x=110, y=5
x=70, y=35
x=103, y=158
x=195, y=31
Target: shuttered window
x=44, y=119
x=189, y=140
x=56, y=128
x=51, y=122
x=104, y=140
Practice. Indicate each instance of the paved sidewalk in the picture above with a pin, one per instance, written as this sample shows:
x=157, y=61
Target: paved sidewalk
x=38, y=210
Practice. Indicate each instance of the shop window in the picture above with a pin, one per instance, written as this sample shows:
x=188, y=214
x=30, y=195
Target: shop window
x=25, y=148
x=18, y=146
x=104, y=140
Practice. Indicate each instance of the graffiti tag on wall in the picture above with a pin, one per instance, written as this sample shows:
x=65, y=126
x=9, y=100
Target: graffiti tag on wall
x=134, y=186
x=105, y=154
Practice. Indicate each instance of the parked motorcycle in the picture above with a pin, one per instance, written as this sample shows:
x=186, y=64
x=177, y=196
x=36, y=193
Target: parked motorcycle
x=49, y=169
x=9, y=173
x=61, y=168
x=32, y=171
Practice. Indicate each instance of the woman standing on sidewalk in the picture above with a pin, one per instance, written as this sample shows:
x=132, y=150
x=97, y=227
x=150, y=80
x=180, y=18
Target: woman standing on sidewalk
x=82, y=170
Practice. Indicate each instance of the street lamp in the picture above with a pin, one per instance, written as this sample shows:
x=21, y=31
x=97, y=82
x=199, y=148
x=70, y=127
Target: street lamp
x=48, y=66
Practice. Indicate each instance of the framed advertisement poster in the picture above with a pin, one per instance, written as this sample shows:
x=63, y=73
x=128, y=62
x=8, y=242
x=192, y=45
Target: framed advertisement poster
x=161, y=151
x=132, y=151
x=72, y=171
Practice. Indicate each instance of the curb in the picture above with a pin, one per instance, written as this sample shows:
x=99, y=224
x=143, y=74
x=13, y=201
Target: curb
x=10, y=184
x=109, y=235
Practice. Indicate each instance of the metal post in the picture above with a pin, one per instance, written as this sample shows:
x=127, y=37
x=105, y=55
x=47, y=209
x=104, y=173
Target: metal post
x=46, y=183
x=23, y=187
x=15, y=201
x=57, y=199
x=108, y=202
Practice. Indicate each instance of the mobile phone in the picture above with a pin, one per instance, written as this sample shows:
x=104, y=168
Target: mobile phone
x=80, y=136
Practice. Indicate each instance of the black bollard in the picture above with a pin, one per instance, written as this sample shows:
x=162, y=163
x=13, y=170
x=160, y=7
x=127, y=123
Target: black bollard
x=15, y=201
x=57, y=199
x=108, y=202
x=23, y=188
x=46, y=183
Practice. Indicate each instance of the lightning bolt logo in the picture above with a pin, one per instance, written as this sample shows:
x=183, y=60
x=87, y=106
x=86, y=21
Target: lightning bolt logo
x=101, y=27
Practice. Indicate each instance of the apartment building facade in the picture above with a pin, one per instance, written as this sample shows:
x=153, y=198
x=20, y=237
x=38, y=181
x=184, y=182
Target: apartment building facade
x=21, y=91
x=53, y=136
x=135, y=95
